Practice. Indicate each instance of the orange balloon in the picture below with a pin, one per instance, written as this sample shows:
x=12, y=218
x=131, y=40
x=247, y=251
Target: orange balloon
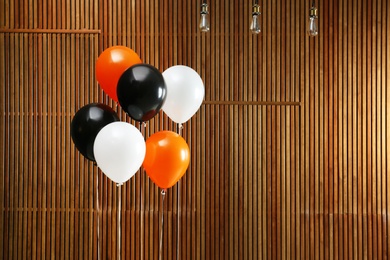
x=110, y=66
x=167, y=158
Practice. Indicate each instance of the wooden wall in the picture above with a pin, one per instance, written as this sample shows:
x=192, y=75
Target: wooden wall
x=290, y=151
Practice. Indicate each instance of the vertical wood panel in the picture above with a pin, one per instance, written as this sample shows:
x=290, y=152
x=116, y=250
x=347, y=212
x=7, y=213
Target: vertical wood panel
x=272, y=180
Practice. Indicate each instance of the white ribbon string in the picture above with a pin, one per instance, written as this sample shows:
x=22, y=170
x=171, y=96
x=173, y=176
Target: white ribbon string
x=162, y=222
x=98, y=214
x=119, y=220
x=180, y=127
x=143, y=132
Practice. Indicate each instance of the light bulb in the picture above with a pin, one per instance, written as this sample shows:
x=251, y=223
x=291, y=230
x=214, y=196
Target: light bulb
x=312, y=25
x=255, y=24
x=204, y=24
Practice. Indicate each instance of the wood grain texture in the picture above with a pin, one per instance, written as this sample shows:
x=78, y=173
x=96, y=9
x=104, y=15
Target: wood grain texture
x=290, y=150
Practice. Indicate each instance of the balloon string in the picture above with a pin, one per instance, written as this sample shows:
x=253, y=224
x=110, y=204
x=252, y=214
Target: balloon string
x=98, y=215
x=163, y=191
x=180, y=126
x=143, y=132
x=142, y=129
x=141, y=213
x=178, y=220
x=119, y=219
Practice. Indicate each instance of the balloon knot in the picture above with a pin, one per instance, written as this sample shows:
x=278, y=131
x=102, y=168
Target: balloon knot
x=163, y=191
x=119, y=184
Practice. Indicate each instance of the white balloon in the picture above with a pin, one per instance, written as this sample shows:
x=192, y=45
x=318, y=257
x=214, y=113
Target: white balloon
x=119, y=151
x=185, y=93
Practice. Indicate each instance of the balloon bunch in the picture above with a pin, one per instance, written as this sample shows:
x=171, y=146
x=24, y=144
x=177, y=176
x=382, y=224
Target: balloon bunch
x=118, y=148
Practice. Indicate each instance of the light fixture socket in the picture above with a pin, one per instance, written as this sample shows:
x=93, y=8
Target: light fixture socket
x=204, y=9
x=256, y=9
x=313, y=12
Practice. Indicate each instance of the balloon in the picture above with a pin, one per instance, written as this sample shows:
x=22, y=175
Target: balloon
x=119, y=151
x=110, y=65
x=141, y=92
x=87, y=123
x=185, y=93
x=167, y=158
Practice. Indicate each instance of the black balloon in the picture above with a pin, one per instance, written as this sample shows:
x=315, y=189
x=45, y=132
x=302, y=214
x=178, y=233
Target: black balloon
x=141, y=92
x=87, y=123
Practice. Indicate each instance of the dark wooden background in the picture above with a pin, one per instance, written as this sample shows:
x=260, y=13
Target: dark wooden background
x=290, y=152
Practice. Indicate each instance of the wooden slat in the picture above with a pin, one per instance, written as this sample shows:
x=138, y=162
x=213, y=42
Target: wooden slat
x=59, y=31
x=252, y=103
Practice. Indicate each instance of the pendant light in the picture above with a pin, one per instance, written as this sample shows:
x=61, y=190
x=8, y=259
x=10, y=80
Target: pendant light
x=312, y=25
x=255, y=24
x=204, y=24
